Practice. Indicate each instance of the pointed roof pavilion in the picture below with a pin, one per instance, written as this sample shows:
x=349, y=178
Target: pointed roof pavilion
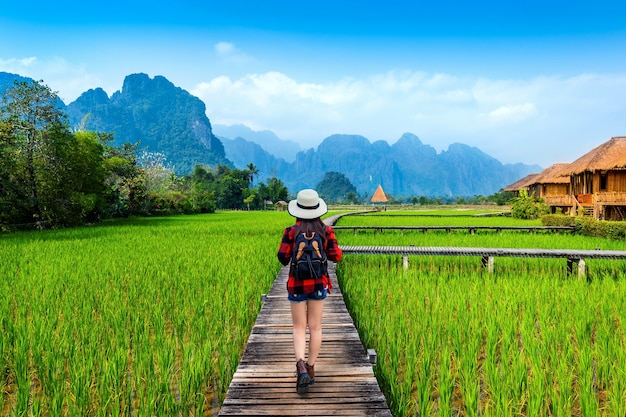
x=379, y=196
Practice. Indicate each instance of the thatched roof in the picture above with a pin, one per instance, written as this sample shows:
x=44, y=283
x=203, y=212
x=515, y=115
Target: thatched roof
x=522, y=183
x=379, y=196
x=610, y=155
x=554, y=174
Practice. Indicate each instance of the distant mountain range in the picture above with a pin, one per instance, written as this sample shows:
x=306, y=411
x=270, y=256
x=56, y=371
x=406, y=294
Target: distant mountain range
x=167, y=119
x=266, y=139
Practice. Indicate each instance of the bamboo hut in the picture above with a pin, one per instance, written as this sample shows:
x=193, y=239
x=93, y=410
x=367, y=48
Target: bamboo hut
x=379, y=197
x=598, y=180
x=553, y=186
x=522, y=184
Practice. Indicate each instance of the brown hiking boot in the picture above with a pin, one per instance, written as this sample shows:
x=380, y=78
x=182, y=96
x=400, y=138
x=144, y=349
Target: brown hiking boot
x=311, y=370
x=303, y=378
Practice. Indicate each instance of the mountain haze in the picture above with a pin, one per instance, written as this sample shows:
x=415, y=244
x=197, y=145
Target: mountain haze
x=285, y=149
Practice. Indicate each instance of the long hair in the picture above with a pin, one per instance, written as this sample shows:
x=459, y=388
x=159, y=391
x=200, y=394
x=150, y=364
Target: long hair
x=313, y=225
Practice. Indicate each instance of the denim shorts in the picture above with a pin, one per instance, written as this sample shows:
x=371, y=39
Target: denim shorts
x=315, y=295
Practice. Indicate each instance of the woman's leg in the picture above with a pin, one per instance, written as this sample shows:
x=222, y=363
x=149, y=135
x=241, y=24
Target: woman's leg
x=299, y=318
x=314, y=318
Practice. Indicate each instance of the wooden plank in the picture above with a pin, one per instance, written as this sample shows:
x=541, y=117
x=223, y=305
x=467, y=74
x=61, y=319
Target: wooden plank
x=469, y=228
x=265, y=380
x=484, y=252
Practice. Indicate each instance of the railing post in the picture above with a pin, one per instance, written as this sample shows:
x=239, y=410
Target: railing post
x=581, y=268
x=487, y=261
x=372, y=356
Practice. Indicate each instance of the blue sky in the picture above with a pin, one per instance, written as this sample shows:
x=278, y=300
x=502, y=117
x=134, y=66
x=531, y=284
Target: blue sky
x=524, y=81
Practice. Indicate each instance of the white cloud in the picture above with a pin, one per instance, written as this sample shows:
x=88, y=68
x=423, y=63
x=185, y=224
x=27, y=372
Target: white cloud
x=512, y=112
x=68, y=79
x=508, y=118
x=505, y=118
x=225, y=48
x=229, y=54
x=14, y=64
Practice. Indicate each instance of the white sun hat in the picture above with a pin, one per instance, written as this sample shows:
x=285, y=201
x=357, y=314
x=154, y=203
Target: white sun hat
x=308, y=205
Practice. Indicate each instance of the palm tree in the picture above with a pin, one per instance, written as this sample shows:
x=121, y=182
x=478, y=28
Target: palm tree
x=252, y=171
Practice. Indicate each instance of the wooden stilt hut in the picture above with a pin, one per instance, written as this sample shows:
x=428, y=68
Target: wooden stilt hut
x=522, y=184
x=598, y=181
x=553, y=186
x=379, y=198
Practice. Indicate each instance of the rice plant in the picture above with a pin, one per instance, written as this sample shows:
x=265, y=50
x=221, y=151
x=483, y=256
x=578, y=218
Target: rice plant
x=140, y=317
x=527, y=340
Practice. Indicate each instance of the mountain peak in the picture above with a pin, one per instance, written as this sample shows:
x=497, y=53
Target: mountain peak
x=410, y=138
x=162, y=117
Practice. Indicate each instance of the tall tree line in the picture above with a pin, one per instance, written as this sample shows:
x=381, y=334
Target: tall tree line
x=53, y=177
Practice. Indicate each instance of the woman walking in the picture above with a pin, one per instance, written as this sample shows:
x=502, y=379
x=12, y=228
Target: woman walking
x=307, y=291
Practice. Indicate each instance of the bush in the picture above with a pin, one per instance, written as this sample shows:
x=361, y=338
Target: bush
x=558, y=220
x=588, y=226
x=528, y=207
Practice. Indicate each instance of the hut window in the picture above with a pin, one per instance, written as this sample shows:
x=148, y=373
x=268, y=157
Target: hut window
x=603, y=181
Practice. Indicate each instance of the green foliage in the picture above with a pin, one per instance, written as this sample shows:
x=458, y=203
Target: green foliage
x=557, y=220
x=38, y=150
x=51, y=177
x=528, y=207
x=274, y=191
x=588, y=226
x=335, y=187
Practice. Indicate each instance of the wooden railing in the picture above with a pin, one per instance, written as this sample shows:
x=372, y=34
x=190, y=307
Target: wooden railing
x=559, y=200
x=573, y=256
x=471, y=229
x=585, y=199
x=610, y=198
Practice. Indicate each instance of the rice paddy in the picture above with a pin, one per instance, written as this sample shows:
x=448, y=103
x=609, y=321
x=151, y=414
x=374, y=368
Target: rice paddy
x=528, y=340
x=148, y=317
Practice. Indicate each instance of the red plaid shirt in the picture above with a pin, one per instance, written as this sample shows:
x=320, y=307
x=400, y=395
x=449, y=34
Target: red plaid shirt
x=307, y=286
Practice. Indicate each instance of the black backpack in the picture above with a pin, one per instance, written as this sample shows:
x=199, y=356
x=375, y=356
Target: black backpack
x=308, y=259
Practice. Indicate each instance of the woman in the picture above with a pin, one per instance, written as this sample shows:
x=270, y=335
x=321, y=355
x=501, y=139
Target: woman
x=307, y=295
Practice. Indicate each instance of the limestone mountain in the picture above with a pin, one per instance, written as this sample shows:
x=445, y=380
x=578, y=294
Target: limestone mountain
x=243, y=152
x=281, y=148
x=162, y=117
x=167, y=119
x=406, y=168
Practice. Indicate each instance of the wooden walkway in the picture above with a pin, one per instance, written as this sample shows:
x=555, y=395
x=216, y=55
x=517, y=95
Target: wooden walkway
x=265, y=380
x=470, y=229
x=573, y=256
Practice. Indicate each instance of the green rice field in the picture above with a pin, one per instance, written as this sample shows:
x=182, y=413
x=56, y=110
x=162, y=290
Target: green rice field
x=527, y=340
x=145, y=317
x=149, y=317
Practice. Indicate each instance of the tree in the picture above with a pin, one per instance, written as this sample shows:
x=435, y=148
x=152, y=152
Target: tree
x=352, y=198
x=201, y=196
x=335, y=186
x=38, y=137
x=123, y=184
x=157, y=177
x=86, y=178
x=252, y=171
x=274, y=191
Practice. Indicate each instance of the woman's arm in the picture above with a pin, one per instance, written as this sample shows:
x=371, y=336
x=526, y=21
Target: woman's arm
x=333, y=251
x=286, y=244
